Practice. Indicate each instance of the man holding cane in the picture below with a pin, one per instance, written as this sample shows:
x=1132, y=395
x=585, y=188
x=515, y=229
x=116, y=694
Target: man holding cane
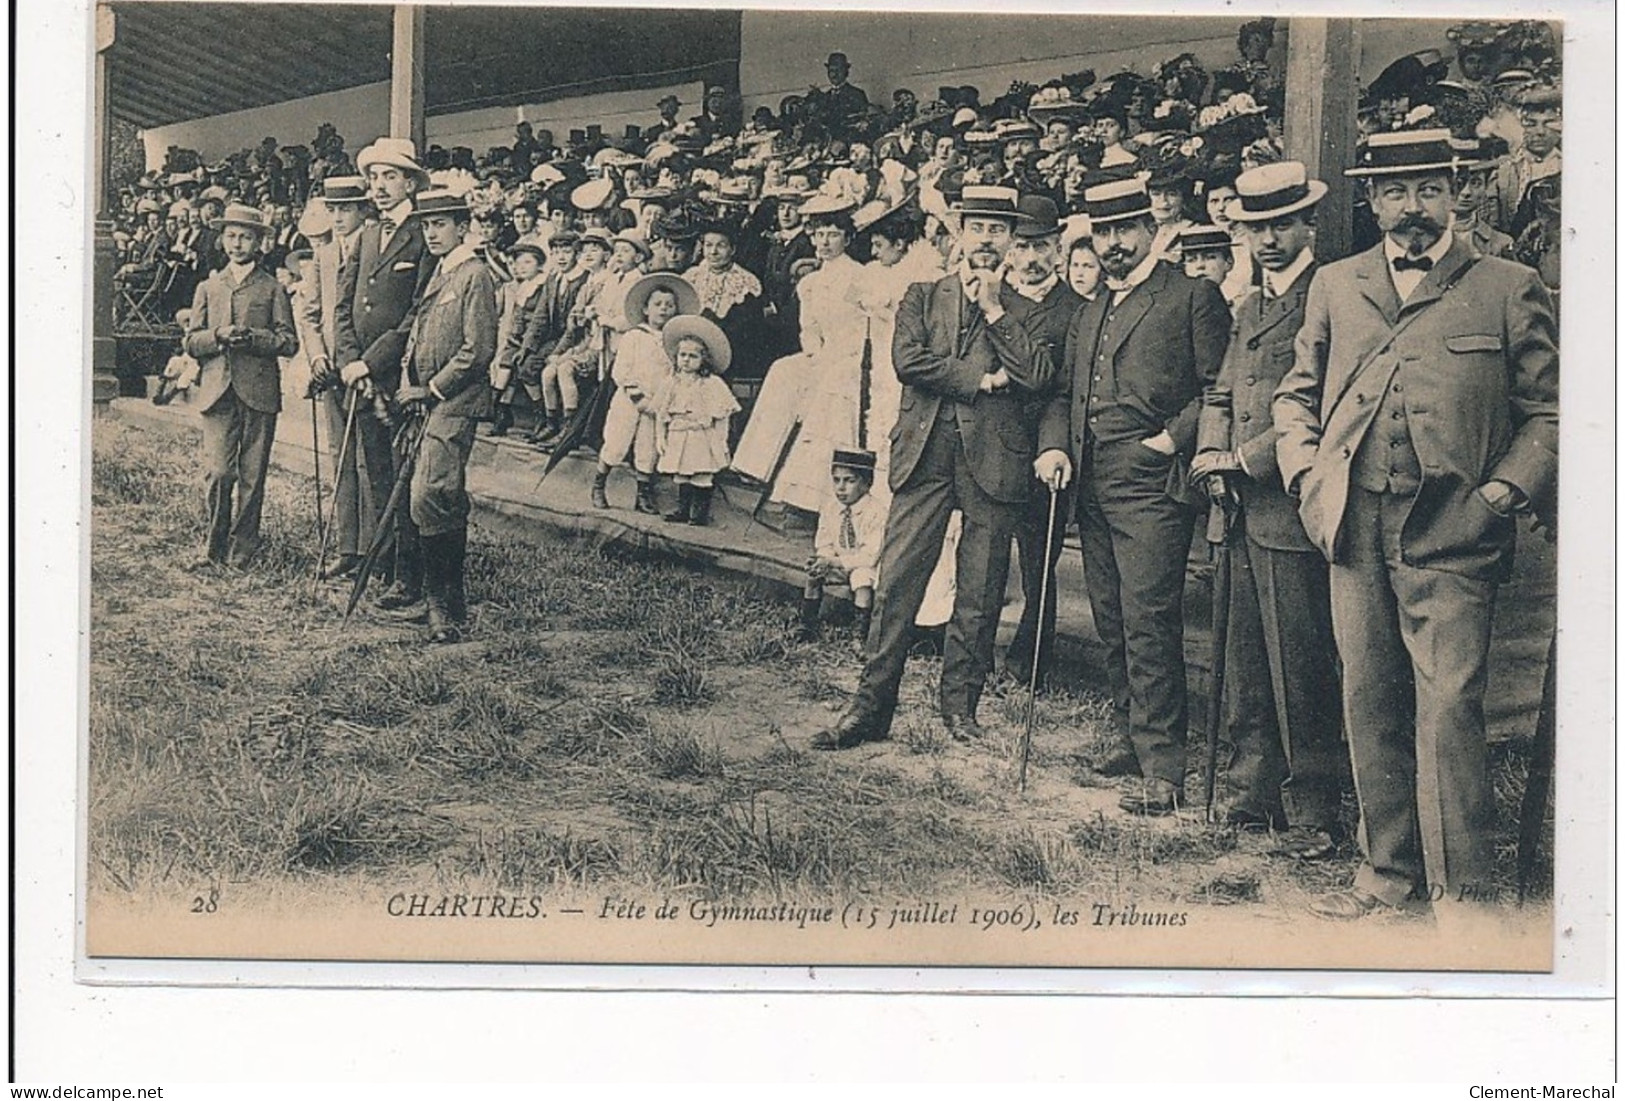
x=963, y=440
x=1123, y=419
x=1280, y=688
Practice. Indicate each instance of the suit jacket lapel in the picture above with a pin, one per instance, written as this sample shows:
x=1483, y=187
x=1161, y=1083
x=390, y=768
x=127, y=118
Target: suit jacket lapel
x=1135, y=306
x=397, y=242
x=1371, y=276
x=1273, y=311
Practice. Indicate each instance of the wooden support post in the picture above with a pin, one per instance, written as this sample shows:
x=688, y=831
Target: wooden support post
x=406, y=75
x=104, y=255
x=1322, y=97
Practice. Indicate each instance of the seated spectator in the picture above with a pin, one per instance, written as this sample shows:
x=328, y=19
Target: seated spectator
x=846, y=546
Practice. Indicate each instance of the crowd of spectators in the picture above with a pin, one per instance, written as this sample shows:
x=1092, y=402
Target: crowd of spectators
x=722, y=198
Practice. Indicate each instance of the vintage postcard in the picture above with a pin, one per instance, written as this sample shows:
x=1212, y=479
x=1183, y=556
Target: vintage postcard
x=677, y=486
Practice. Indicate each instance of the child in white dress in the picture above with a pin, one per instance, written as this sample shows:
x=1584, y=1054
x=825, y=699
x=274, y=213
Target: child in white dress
x=692, y=412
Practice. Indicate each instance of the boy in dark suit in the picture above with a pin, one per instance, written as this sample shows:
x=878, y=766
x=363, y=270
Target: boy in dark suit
x=241, y=322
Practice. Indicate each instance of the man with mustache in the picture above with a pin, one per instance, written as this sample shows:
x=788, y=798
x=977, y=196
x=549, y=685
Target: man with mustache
x=1281, y=664
x=1419, y=416
x=1044, y=305
x=1123, y=420
x=963, y=440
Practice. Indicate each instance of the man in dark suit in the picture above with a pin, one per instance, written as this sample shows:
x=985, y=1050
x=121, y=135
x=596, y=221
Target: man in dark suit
x=1281, y=665
x=1124, y=419
x=963, y=440
x=846, y=104
x=1043, y=304
x=377, y=285
x=1419, y=416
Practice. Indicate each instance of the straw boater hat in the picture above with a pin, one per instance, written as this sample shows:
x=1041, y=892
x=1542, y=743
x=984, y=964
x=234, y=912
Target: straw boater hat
x=430, y=203
x=694, y=327
x=1271, y=191
x=637, y=298
x=981, y=200
x=394, y=153
x=344, y=189
x=240, y=214
x=1203, y=238
x=1404, y=152
x=1116, y=201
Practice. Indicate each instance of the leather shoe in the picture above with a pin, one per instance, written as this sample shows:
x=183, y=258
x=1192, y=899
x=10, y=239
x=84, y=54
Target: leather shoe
x=1349, y=904
x=962, y=728
x=346, y=565
x=851, y=730
x=1306, y=843
x=398, y=596
x=407, y=613
x=203, y=564
x=1156, y=798
x=1119, y=761
x=1245, y=817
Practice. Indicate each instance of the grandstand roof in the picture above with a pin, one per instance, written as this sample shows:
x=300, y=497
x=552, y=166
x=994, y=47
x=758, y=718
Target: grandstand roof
x=176, y=61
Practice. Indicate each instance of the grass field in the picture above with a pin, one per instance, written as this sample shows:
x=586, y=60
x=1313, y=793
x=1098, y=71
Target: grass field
x=609, y=723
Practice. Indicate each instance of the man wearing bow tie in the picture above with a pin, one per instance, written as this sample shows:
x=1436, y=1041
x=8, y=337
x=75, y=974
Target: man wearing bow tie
x=1419, y=416
x=377, y=282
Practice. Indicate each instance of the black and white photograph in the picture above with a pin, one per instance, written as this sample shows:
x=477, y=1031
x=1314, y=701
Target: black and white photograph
x=577, y=485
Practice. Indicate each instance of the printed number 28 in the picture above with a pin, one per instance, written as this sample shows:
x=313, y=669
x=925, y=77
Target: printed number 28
x=207, y=904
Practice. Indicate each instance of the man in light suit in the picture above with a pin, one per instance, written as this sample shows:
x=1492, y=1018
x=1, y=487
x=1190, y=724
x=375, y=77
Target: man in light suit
x=362, y=486
x=1419, y=416
x=1280, y=680
x=1123, y=419
x=375, y=293
x=241, y=322
x=963, y=440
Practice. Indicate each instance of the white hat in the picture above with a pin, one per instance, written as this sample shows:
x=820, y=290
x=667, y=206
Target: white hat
x=394, y=152
x=1272, y=190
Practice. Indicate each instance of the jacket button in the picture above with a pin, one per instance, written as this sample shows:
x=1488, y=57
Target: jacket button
x=1346, y=452
x=1246, y=416
x=1359, y=399
x=1251, y=380
x=1252, y=345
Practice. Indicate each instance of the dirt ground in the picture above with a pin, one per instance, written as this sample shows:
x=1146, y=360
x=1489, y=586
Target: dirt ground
x=608, y=724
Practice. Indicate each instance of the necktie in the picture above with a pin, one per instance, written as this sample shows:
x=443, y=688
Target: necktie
x=849, y=534
x=1421, y=263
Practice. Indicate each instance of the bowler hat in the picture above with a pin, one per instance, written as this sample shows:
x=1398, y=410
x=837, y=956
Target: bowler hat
x=637, y=297
x=837, y=58
x=1273, y=190
x=694, y=327
x=1039, y=217
x=1116, y=201
x=1404, y=152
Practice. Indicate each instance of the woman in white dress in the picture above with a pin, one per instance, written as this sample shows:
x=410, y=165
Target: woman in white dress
x=820, y=387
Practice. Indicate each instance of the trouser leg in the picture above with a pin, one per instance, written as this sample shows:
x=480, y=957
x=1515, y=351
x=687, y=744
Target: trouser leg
x=1379, y=700
x=346, y=536
x=1444, y=619
x=1259, y=766
x=374, y=473
x=982, y=567
x=253, y=460
x=1294, y=598
x=915, y=527
x=1150, y=535
x=1104, y=586
x=1037, y=623
x=222, y=438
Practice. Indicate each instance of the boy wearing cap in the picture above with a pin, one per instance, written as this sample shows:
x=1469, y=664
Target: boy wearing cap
x=585, y=340
x=963, y=440
x=519, y=299
x=539, y=332
x=377, y=285
x=1280, y=681
x=449, y=343
x=1419, y=416
x=1206, y=252
x=1474, y=180
x=846, y=546
x=241, y=322
x=1123, y=421
x=1540, y=114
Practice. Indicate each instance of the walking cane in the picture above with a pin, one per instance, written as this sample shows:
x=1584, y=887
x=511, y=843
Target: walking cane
x=338, y=481
x=316, y=457
x=1218, y=536
x=386, y=522
x=1038, y=641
